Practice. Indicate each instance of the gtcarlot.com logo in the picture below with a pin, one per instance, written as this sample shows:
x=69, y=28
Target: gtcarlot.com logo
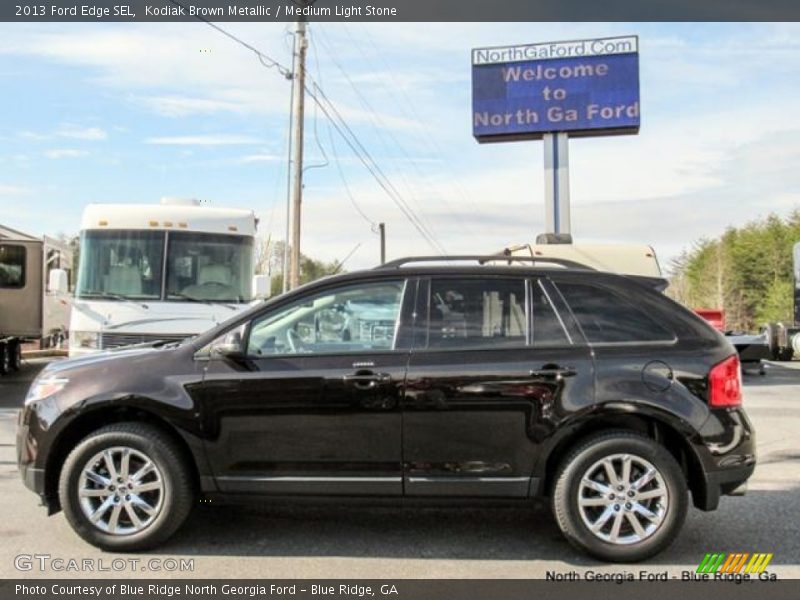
x=46, y=563
x=734, y=563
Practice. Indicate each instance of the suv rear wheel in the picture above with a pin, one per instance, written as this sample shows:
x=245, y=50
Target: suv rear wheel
x=620, y=497
x=125, y=487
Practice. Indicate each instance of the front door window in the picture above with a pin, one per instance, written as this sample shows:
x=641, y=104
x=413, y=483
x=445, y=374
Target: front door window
x=358, y=318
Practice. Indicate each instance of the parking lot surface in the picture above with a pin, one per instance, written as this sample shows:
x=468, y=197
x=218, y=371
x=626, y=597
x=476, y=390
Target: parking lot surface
x=410, y=542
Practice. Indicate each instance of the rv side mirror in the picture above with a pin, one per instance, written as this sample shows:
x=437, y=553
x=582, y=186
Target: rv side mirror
x=261, y=286
x=58, y=282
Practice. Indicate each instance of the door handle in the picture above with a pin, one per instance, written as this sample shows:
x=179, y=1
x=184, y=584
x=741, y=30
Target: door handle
x=366, y=381
x=557, y=373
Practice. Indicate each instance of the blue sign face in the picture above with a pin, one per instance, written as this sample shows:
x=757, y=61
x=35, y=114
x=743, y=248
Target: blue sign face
x=590, y=95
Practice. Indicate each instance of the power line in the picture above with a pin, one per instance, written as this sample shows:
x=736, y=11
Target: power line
x=341, y=126
x=344, y=181
x=348, y=192
x=265, y=59
x=375, y=171
x=383, y=67
x=380, y=126
x=371, y=165
x=316, y=111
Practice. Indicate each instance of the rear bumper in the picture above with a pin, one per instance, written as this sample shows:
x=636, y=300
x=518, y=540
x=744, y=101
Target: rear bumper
x=729, y=482
x=727, y=456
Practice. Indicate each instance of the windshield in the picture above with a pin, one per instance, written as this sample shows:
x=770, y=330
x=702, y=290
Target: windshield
x=121, y=263
x=202, y=267
x=209, y=267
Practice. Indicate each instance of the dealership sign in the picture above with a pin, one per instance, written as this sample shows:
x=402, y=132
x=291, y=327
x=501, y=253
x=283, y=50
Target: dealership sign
x=584, y=87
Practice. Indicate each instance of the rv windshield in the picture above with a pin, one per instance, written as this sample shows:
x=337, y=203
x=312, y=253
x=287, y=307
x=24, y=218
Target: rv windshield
x=209, y=267
x=121, y=263
x=128, y=264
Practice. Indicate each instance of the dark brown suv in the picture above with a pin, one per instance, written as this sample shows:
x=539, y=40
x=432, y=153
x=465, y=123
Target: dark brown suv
x=410, y=380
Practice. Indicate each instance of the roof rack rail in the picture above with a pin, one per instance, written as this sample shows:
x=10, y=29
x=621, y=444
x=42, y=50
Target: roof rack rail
x=484, y=258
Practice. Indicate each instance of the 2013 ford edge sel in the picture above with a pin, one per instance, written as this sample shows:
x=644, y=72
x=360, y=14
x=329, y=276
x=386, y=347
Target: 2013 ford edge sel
x=413, y=380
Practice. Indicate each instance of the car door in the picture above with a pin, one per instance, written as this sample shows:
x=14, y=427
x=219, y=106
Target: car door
x=490, y=374
x=310, y=405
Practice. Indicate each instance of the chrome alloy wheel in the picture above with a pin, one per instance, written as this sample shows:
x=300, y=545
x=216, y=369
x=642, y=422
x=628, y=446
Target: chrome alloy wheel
x=121, y=490
x=622, y=499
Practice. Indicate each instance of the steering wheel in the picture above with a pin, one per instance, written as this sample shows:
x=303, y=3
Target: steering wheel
x=294, y=340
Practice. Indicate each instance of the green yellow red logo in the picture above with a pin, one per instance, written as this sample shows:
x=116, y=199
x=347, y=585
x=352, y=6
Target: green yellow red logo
x=737, y=562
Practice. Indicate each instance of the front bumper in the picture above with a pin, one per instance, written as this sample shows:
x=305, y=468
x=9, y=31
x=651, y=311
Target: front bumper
x=32, y=477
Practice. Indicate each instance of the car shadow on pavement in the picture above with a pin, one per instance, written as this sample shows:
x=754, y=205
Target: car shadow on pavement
x=762, y=521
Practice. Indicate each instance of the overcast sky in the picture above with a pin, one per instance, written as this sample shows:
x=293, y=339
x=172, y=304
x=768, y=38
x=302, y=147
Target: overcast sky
x=131, y=113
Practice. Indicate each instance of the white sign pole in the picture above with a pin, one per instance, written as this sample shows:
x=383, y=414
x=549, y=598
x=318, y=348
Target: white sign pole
x=556, y=184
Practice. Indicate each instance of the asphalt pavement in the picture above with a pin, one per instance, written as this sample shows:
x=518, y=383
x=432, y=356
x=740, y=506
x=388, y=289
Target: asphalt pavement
x=363, y=541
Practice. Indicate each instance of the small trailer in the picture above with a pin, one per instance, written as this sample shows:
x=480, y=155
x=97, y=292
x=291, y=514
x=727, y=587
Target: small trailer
x=753, y=349
x=783, y=338
x=30, y=268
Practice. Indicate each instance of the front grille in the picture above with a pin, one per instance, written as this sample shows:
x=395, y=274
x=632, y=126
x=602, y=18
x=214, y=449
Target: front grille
x=117, y=340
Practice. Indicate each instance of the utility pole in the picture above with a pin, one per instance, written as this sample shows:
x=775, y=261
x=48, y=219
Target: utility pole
x=298, y=94
x=382, y=231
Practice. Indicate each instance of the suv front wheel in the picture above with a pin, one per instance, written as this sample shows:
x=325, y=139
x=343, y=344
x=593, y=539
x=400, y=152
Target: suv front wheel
x=620, y=497
x=125, y=487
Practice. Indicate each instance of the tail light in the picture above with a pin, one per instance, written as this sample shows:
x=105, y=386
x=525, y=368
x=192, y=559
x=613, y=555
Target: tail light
x=725, y=383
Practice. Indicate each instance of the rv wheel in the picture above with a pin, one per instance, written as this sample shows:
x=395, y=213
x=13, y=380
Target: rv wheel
x=5, y=359
x=16, y=356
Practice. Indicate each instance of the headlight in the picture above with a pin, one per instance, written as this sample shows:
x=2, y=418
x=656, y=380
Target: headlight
x=84, y=339
x=44, y=388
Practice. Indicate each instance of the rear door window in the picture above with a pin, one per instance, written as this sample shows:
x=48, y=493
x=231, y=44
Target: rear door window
x=607, y=316
x=474, y=313
x=548, y=328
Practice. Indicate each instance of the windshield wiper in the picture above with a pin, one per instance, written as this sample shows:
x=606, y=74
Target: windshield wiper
x=202, y=300
x=117, y=297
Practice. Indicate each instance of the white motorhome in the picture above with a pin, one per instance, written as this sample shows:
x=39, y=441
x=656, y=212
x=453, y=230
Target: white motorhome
x=164, y=271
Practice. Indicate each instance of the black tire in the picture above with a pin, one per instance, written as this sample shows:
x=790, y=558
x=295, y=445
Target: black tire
x=177, y=496
x=567, y=489
x=5, y=358
x=786, y=354
x=16, y=356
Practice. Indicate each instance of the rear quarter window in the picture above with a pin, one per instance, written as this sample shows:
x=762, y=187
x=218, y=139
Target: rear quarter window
x=608, y=316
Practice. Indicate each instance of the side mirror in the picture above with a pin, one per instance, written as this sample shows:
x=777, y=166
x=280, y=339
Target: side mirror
x=58, y=282
x=229, y=350
x=261, y=286
x=229, y=346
